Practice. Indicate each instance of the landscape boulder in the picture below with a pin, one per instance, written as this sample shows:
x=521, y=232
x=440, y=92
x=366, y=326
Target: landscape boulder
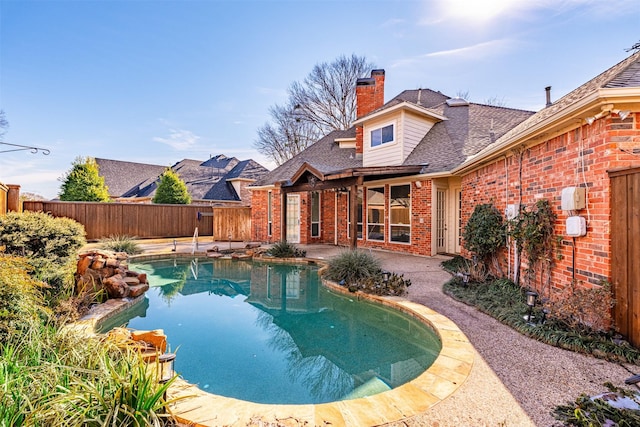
x=107, y=270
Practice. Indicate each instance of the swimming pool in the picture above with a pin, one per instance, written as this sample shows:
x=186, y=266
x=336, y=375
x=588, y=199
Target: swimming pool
x=270, y=333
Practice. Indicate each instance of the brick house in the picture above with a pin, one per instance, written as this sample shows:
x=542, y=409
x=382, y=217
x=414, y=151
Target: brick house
x=590, y=140
x=393, y=166
x=415, y=167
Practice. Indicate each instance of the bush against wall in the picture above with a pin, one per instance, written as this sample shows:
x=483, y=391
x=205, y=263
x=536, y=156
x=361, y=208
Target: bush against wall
x=50, y=244
x=484, y=235
x=533, y=232
x=584, y=309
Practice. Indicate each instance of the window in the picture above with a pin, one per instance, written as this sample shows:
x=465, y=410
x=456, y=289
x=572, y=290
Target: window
x=382, y=135
x=359, y=207
x=315, y=214
x=375, y=213
x=400, y=206
x=269, y=218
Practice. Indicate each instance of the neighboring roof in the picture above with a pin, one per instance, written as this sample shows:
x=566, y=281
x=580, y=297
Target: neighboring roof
x=126, y=178
x=206, y=180
x=468, y=128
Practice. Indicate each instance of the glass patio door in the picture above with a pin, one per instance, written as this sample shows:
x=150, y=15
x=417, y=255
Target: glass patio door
x=293, y=218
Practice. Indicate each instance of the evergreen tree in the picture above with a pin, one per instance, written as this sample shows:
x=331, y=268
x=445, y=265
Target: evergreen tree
x=84, y=183
x=172, y=189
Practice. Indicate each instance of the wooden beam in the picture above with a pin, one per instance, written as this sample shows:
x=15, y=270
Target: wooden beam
x=321, y=185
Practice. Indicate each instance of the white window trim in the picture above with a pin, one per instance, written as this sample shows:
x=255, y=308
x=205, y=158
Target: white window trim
x=400, y=225
x=365, y=219
x=380, y=126
x=319, y=222
x=269, y=213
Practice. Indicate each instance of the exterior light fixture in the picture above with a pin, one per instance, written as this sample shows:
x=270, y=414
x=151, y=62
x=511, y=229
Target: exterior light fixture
x=465, y=278
x=622, y=114
x=531, y=301
x=544, y=316
x=385, y=276
x=165, y=367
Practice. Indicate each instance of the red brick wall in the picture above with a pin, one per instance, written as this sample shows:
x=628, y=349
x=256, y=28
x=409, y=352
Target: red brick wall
x=578, y=158
x=420, y=220
x=259, y=217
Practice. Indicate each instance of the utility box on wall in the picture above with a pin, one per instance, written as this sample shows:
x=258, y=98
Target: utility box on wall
x=576, y=226
x=573, y=198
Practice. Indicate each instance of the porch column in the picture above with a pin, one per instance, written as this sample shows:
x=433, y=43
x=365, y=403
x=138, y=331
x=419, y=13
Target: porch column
x=353, y=216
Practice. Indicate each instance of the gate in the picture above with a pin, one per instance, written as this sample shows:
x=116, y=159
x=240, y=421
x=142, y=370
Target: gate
x=625, y=252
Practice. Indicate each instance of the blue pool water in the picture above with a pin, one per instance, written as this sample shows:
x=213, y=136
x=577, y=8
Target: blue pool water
x=270, y=333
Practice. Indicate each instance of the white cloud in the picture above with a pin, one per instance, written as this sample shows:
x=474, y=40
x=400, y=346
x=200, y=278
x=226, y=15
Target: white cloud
x=179, y=139
x=472, y=52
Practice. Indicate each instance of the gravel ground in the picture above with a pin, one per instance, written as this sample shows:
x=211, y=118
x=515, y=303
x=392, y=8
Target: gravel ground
x=537, y=375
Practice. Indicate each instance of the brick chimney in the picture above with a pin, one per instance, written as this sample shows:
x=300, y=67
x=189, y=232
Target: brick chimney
x=379, y=91
x=369, y=97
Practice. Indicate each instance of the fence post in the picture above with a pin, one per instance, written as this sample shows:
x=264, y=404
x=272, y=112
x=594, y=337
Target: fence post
x=13, y=198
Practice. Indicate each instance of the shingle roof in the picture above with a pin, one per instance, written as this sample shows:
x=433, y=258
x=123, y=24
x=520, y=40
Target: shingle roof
x=469, y=129
x=127, y=178
x=325, y=155
x=624, y=74
x=205, y=180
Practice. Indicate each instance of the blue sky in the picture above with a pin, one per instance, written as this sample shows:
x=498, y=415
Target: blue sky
x=160, y=81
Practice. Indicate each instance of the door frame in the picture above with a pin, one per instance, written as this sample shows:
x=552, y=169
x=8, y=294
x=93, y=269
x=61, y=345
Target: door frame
x=293, y=223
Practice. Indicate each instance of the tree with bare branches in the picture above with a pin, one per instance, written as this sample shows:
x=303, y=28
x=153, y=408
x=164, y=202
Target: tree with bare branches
x=323, y=102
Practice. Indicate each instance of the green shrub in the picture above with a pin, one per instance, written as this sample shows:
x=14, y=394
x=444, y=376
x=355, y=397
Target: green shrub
x=352, y=266
x=506, y=301
x=118, y=243
x=59, y=377
x=485, y=234
x=50, y=244
x=21, y=303
x=285, y=249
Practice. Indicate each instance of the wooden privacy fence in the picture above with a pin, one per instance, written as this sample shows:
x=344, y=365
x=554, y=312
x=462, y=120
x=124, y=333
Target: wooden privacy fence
x=4, y=190
x=148, y=220
x=625, y=252
x=230, y=223
x=9, y=198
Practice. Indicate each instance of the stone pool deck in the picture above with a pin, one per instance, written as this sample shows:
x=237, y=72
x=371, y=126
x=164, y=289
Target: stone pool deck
x=512, y=380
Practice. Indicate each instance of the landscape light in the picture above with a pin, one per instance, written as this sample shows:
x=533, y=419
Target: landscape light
x=385, y=276
x=165, y=363
x=531, y=301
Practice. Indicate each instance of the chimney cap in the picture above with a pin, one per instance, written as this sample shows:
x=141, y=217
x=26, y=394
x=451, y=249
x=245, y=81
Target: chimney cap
x=366, y=81
x=376, y=72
